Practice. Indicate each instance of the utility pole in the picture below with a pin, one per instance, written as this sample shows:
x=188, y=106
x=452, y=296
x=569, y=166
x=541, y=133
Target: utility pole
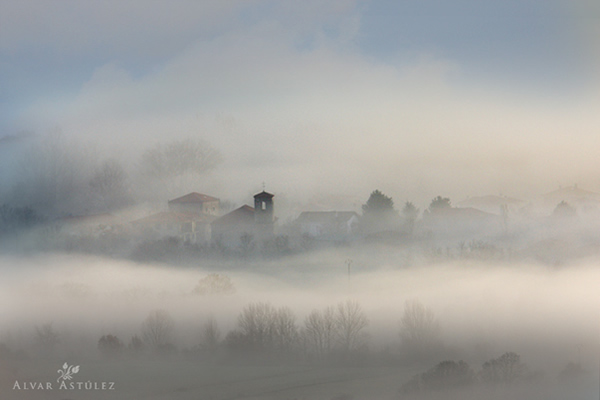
x=348, y=263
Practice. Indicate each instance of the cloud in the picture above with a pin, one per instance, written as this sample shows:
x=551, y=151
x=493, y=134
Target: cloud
x=289, y=100
x=143, y=26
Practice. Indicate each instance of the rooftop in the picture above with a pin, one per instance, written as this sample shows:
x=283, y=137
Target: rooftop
x=240, y=215
x=193, y=197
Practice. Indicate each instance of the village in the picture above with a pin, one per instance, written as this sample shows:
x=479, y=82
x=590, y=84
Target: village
x=561, y=222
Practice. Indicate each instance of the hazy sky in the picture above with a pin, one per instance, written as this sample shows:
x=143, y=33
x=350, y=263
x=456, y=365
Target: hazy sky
x=416, y=98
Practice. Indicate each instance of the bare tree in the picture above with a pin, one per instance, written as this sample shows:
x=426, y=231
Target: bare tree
x=214, y=284
x=263, y=328
x=46, y=338
x=419, y=328
x=256, y=324
x=285, y=330
x=211, y=335
x=350, y=321
x=53, y=176
x=180, y=157
x=410, y=213
x=157, y=328
x=320, y=331
x=109, y=184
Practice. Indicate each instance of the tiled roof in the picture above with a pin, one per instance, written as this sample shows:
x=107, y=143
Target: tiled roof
x=244, y=214
x=173, y=217
x=193, y=197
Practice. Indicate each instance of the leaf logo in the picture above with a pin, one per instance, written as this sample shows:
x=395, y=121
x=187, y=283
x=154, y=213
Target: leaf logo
x=67, y=371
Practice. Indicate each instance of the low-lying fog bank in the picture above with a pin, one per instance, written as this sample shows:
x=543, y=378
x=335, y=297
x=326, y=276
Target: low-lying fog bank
x=58, y=307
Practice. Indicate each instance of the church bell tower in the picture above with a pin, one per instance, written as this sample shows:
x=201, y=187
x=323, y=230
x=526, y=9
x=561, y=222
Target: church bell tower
x=263, y=213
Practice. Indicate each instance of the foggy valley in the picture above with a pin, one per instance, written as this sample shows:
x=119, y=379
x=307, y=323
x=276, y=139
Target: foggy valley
x=320, y=200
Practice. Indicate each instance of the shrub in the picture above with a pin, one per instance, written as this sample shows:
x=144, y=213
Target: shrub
x=136, y=345
x=157, y=328
x=445, y=375
x=214, y=284
x=420, y=330
x=505, y=369
x=110, y=345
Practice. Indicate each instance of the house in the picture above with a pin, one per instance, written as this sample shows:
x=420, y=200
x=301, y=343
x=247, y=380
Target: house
x=189, y=227
x=465, y=223
x=581, y=199
x=492, y=204
x=246, y=223
x=188, y=218
x=195, y=203
x=328, y=225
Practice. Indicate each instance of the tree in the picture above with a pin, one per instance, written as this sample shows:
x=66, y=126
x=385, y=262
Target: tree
x=109, y=184
x=157, y=328
x=564, y=210
x=410, y=214
x=46, y=338
x=263, y=328
x=505, y=369
x=378, y=204
x=439, y=203
x=255, y=324
x=285, y=331
x=53, y=176
x=110, y=345
x=378, y=213
x=419, y=328
x=175, y=167
x=320, y=331
x=445, y=375
x=350, y=322
x=136, y=345
x=211, y=335
x=16, y=219
x=214, y=284
x=179, y=157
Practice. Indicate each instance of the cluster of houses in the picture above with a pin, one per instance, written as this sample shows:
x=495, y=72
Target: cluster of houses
x=198, y=219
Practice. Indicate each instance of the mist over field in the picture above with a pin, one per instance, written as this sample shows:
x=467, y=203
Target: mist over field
x=336, y=200
x=546, y=315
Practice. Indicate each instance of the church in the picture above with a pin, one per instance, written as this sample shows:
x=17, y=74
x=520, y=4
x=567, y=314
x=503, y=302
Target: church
x=246, y=223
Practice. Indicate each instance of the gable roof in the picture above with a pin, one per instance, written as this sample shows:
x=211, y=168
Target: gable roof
x=489, y=201
x=172, y=217
x=571, y=191
x=326, y=217
x=194, y=197
x=244, y=214
x=460, y=212
x=263, y=194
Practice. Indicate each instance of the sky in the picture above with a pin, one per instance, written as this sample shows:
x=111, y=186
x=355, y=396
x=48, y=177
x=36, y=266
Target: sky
x=415, y=98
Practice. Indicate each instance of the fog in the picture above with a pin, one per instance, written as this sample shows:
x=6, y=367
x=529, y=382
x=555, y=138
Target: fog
x=547, y=315
x=279, y=200
x=421, y=125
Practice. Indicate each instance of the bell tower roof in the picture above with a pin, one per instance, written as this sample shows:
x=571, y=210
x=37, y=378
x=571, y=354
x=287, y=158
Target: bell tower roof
x=263, y=195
